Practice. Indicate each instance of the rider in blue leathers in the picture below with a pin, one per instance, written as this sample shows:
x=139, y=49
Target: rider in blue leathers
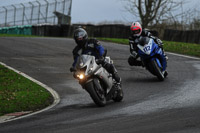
x=136, y=34
x=92, y=47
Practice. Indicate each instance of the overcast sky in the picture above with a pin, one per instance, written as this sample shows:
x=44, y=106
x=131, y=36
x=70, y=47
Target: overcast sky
x=95, y=11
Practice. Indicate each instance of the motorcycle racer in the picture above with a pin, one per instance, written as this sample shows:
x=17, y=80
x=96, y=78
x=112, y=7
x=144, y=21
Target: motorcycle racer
x=92, y=47
x=136, y=34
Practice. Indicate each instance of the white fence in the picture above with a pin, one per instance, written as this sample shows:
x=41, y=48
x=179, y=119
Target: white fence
x=37, y=12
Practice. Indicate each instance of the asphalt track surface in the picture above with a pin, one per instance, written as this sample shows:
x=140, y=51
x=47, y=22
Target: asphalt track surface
x=148, y=106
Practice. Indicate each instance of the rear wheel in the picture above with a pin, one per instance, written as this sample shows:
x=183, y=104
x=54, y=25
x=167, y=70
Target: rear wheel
x=157, y=70
x=96, y=92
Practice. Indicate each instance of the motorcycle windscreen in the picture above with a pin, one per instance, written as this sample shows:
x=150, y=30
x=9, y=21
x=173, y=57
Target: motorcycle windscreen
x=83, y=61
x=149, y=50
x=146, y=47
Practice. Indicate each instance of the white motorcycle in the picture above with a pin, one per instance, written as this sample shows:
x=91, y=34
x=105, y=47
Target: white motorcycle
x=96, y=80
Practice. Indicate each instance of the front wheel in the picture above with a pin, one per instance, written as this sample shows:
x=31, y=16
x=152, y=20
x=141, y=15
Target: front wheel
x=96, y=92
x=157, y=70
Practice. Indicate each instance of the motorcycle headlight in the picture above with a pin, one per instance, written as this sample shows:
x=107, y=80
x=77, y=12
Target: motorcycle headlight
x=81, y=76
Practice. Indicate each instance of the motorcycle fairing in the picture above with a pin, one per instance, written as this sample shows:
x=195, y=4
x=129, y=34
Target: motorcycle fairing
x=85, y=61
x=88, y=62
x=158, y=62
x=149, y=50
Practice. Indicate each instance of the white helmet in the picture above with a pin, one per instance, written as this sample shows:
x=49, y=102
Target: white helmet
x=136, y=29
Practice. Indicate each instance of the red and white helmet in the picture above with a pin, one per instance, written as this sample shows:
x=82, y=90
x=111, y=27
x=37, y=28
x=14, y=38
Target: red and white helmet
x=136, y=29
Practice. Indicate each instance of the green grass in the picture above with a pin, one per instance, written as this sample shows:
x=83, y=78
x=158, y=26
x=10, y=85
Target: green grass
x=15, y=35
x=182, y=48
x=176, y=47
x=115, y=40
x=20, y=94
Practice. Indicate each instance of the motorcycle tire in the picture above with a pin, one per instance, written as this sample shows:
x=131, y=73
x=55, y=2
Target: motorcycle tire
x=157, y=70
x=96, y=92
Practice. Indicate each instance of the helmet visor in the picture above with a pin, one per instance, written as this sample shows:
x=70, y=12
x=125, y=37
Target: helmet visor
x=80, y=38
x=79, y=35
x=135, y=31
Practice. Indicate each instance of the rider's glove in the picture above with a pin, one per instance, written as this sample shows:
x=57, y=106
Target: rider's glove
x=100, y=60
x=149, y=34
x=160, y=43
x=72, y=69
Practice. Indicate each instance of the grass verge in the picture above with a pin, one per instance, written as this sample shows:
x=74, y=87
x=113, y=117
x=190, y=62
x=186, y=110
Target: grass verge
x=20, y=94
x=15, y=35
x=175, y=47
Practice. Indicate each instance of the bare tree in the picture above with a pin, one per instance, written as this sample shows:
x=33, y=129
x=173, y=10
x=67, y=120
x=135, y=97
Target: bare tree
x=152, y=11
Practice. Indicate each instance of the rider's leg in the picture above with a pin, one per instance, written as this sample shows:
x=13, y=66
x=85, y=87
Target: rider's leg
x=164, y=64
x=161, y=46
x=111, y=69
x=133, y=61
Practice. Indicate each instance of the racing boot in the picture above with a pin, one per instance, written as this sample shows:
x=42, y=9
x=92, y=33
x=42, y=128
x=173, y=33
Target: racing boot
x=166, y=57
x=111, y=69
x=160, y=44
x=118, y=80
x=165, y=73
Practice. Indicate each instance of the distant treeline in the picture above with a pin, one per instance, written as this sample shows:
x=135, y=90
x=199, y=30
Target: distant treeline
x=109, y=31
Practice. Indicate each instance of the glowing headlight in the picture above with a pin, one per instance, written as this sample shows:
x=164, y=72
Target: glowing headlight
x=81, y=76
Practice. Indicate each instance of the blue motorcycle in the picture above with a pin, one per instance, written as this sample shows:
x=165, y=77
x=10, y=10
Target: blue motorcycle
x=152, y=57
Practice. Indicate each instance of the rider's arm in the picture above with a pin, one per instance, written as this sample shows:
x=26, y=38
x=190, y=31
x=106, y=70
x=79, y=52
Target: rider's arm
x=131, y=44
x=75, y=54
x=146, y=33
x=99, y=48
x=156, y=39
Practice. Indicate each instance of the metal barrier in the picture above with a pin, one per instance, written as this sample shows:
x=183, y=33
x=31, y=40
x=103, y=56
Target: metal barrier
x=20, y=30
x=37, y=12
